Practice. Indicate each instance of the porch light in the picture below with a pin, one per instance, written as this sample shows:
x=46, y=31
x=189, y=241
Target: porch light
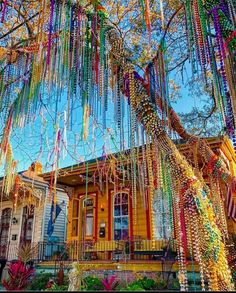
x=14, y=220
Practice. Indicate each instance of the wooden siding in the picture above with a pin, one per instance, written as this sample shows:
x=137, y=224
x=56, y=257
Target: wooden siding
x=105, y=216
x=61, y=222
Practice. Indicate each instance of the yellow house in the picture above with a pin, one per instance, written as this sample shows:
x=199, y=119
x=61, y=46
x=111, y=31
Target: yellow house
x=106, y=223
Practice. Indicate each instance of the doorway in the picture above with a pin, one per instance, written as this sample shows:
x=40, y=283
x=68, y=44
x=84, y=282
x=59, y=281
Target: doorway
x=4, y=232
x=27, y=225
x=88, y=214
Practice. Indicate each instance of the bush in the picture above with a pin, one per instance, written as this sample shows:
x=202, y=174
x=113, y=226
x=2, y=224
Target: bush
x=142, y=284
x=92, y=283
x=133, y=287
x=160, y=283
x=19, y=276
x=110, y=284
x=146, y=283
x=56, y=287
x=175, y=284
x=39, y=281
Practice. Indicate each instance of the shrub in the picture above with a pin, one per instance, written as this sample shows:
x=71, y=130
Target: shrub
x=110, y=284
x=19, y=276
x=56, y=287
x=92, y=283
x=60, y=276
x=146, y=283
x=175, y=284
x=141, y=284
x=26, y=252
x=160, y=283
x=39, y=281
x=133, y=287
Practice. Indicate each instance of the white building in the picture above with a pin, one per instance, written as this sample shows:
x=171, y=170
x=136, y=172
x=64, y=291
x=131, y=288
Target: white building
x=27, y=222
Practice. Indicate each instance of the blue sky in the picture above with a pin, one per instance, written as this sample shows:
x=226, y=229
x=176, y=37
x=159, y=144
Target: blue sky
x=36, y=140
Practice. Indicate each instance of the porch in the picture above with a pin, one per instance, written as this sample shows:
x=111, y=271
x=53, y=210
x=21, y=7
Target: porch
x=113, y=250
x=105, y=251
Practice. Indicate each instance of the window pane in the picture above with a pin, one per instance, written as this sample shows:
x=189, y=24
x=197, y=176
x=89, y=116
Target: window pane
x=117, y=223
x=117, y=211
x=75, y=228
x=117, y=199
x=75, y=209
x=124, y=209
x=117, y=234
x=161, y=215
x=124, y=198
x=124, y=234
x=29, y=227
x=89, y=223
x=124, y=223
x=121, y=220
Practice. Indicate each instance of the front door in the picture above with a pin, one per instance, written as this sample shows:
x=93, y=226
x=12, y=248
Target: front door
x=88, y=219
x=27, y=224
x=121, y=216
x=4, y=232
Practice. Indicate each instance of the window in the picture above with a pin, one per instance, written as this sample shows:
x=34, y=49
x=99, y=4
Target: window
x=121, y=219
x=161, y=215
x=4, y=231
x=88, y=204
x=5, y=224
x=89, y=223
x=75, y=217
x=27, y=224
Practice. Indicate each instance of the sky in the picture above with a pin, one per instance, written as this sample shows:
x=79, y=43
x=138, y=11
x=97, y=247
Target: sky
x=36, y=140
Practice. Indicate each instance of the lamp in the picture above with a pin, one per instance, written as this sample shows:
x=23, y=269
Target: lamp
x=14, y=220
x=102, y=207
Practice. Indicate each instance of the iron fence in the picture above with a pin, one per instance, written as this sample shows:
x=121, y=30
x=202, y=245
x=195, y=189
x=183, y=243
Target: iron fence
x=93, y=250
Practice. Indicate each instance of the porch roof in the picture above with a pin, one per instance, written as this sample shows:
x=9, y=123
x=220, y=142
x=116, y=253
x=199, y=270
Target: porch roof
x=74, y=175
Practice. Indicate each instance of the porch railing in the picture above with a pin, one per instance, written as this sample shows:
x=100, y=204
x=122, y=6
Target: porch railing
x=95, y=250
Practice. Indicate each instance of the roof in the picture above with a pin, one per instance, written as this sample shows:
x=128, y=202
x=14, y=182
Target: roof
x=72, y=175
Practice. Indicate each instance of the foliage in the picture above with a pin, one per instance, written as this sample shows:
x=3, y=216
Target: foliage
x=92, y=283
x=160, y=282
x=133, y=287
x=56, y=287
x=122, y=284
x=19, y=276
x=175, y=284
x=203, y=122
x=110, y=283
x=145, y=283
x=127, y=17
x=60, y=275
x=39, y=281
x=26, y=252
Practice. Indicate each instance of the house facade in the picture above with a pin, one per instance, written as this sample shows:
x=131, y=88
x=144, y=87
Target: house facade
x=25, y=221
x=107, y=222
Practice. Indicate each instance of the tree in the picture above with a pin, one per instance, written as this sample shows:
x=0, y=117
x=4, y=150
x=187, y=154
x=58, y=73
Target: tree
x=54, y=64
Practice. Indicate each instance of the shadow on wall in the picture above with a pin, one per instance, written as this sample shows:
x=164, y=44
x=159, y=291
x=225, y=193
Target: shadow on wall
x=2, y=266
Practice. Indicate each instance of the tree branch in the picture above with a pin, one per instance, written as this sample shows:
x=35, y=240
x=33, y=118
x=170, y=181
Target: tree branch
x=19, y=25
